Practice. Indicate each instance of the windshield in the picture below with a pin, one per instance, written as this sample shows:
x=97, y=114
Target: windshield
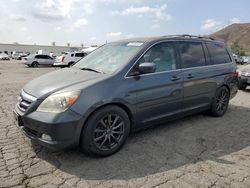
x=110, y=57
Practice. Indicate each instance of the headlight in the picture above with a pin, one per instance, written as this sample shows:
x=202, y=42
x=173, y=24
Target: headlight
x=58, y=102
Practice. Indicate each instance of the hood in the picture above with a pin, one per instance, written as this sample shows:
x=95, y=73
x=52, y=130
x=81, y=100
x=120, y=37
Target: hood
x=57, y=80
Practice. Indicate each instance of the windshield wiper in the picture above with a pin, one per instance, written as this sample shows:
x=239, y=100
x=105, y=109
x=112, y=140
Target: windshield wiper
x=93, y=70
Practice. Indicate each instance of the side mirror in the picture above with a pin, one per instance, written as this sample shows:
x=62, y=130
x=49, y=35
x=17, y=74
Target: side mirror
x=145, y=68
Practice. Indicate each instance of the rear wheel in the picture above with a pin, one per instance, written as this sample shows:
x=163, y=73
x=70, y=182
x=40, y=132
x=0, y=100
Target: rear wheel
x=34, y=64
x=70, y=64
x=220, y=102
x=106, y=131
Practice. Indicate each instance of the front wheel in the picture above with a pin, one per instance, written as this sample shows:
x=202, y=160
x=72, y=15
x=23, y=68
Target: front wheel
x=105, y=132
x=220, y=102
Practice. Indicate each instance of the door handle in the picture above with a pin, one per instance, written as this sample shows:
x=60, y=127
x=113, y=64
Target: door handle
x=175, y=78
x=190, y=76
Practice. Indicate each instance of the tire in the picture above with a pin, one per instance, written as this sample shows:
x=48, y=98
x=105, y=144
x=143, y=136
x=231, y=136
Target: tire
x=35, y=64
x=105, y=131
x=220, y=102
x=70, y=64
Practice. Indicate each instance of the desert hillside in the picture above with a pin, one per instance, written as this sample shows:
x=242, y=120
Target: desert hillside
x=235, y=33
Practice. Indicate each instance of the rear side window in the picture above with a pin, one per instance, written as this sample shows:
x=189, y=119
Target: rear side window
x=218, y=53
x=79, y=55
x=38, y=56
x=192, y=54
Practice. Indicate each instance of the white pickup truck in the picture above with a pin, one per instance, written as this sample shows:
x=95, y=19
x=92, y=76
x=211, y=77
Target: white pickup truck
x=69, y=59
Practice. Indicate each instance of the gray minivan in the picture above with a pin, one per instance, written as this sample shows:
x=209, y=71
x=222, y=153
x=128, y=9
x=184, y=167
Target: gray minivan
x=125, y=86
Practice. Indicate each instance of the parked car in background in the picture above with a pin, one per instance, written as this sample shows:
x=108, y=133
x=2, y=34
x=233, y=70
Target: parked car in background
x=246, y=59
x=4, y=56
x=244, y=77
x=15, y=54
x=69, y=59
x=238, y=59
x=19, y=55
x=22, y=55
x=35, y=60
x=125, y=86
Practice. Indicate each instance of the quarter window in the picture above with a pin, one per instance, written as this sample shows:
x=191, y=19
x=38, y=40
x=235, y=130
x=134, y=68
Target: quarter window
x=218, y=54
x=47, y=57
x=192, y=54
x=163, y=55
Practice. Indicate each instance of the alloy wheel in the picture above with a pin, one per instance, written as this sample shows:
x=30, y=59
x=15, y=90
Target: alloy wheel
x=109, y=132
x=222, y=101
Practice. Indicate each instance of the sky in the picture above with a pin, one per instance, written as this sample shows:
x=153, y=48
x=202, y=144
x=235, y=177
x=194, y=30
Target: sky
x=91, y=22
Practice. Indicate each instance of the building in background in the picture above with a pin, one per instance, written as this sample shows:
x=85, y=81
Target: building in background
x=56, y=50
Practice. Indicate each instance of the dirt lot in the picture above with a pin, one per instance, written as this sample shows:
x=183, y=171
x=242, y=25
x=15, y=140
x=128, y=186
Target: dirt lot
x=197, y=151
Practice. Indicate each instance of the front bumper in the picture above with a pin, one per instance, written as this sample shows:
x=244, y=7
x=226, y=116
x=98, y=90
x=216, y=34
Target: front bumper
x=64, y=129
x=60, y=64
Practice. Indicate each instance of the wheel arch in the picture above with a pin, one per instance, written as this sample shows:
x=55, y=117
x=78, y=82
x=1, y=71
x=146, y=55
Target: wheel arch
x=71, y=63
x=226, y=86
x=119, y=104
x=218, y=87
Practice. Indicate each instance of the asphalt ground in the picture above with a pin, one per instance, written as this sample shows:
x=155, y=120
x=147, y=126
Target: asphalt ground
x=197, y=151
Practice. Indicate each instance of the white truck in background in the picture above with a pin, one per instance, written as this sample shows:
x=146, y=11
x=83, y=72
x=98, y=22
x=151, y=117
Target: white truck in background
x=69, y=58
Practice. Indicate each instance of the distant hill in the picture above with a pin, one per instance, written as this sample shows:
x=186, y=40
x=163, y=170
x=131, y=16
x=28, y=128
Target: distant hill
x=235, y=33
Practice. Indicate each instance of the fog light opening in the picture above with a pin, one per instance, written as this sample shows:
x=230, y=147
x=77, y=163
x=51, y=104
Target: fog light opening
x=46, y=137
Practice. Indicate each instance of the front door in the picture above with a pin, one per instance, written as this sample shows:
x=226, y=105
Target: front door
x=40, y=59
x=159, y=94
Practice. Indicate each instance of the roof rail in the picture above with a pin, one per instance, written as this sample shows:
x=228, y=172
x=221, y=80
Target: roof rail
x=191, y=36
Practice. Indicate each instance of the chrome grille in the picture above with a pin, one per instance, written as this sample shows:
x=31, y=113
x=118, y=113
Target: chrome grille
x=24, y=105
x=25, y=100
